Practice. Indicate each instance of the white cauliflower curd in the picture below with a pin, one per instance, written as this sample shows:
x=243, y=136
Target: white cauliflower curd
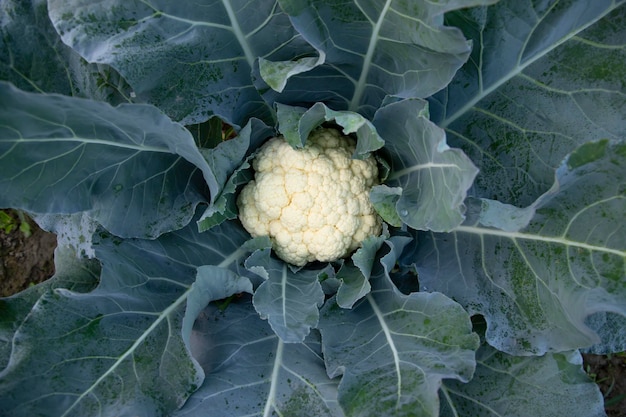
x=312, y=202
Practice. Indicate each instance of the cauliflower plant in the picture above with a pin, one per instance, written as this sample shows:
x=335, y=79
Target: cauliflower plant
x=312, y=202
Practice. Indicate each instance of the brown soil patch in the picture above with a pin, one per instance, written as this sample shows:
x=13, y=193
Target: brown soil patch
x=609, y=372
x=24, y=260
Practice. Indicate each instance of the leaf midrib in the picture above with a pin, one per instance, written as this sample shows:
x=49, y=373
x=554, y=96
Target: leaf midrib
x=367, y=60
x=480, y=231
x=446, y=122
x=162, y=316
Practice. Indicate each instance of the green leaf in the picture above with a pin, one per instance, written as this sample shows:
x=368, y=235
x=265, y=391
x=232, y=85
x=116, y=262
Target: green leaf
x=229, y=163
x=288, y=299
x=353, y=285
x=393, y=350
x=296, y=123
x=276, y=74
x=543, y=78
x=609, y=327
x=71, y=272
x=135, y=171
x=536, y=286
x=502, y=216
x=212, y=283
x=191, y=59
x=433, y=177
x=355, y=273
x=251, y=371
x=552, y=385
x=373, y=49
x=73, y=231
x=384, y=200
x=33, y=57
x=113, y=350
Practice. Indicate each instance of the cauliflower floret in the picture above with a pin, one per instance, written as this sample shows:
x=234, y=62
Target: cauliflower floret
x=312, y=202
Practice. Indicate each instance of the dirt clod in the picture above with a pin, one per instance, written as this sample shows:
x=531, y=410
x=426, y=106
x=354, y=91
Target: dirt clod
x=609, y=372
x=24, y=260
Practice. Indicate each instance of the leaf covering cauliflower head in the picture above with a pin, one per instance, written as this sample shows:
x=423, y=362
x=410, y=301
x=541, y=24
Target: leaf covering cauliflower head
x=312, y=202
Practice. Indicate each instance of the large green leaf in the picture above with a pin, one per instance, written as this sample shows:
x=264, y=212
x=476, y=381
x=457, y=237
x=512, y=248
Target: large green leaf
x=136, y=172
x=393, y=350
x=191, y=59
x=119, y=349
x=71, y=272
x=251, y=372
x=354, y=274
x=289, y=299
x=543, y=78
x=34, y=58
x=212, y=283
x=537, y=284
x=296, y=123
x=375, y=48
x=429, y=179
x=229, y=162
x=553, y=385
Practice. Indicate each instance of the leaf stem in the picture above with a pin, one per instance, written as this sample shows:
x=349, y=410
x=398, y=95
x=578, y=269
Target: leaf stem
x=269, y=404
x=396, y=358
x=562, y=240
x=241, y=37
x=517, y=70
x=367, y=61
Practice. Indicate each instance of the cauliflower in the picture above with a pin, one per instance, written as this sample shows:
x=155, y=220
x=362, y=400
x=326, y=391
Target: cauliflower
x=312, y=202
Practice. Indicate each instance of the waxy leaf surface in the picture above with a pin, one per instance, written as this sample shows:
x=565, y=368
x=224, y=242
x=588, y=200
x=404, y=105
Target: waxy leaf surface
x=138, y=173
x=372, y=49
x=191, y=59
x=536, y=286
x=393, y=350
x=515, y=386
x=120, y=346
x=544, y=77
x=250, y=371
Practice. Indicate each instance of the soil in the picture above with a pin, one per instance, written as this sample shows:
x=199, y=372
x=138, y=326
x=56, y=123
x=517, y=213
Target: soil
x=28, y=260
x=609, y=372
x=24, y=260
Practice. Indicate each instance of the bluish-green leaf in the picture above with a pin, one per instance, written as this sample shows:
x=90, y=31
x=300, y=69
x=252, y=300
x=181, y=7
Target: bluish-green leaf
x=33, y=57
x=191, y=59
x=296, y=123
x=276, y=74
x=355, y=273
x=536, y=286
x=375, y=48
x=212, y=283
x=543, y=78
x=492, y=213
x=73, y=231
x=609, y=327
x=135, y=171
x=251, y=372
x=288, y=299
x=118, y=349
x=353, y=285
x=71, y=272
x=553, y=385
x=384, y=200
x=393, y=350
x=434, y=178
x=229, y=163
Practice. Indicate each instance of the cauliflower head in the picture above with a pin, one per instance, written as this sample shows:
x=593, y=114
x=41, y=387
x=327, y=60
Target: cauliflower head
x=312, y=202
